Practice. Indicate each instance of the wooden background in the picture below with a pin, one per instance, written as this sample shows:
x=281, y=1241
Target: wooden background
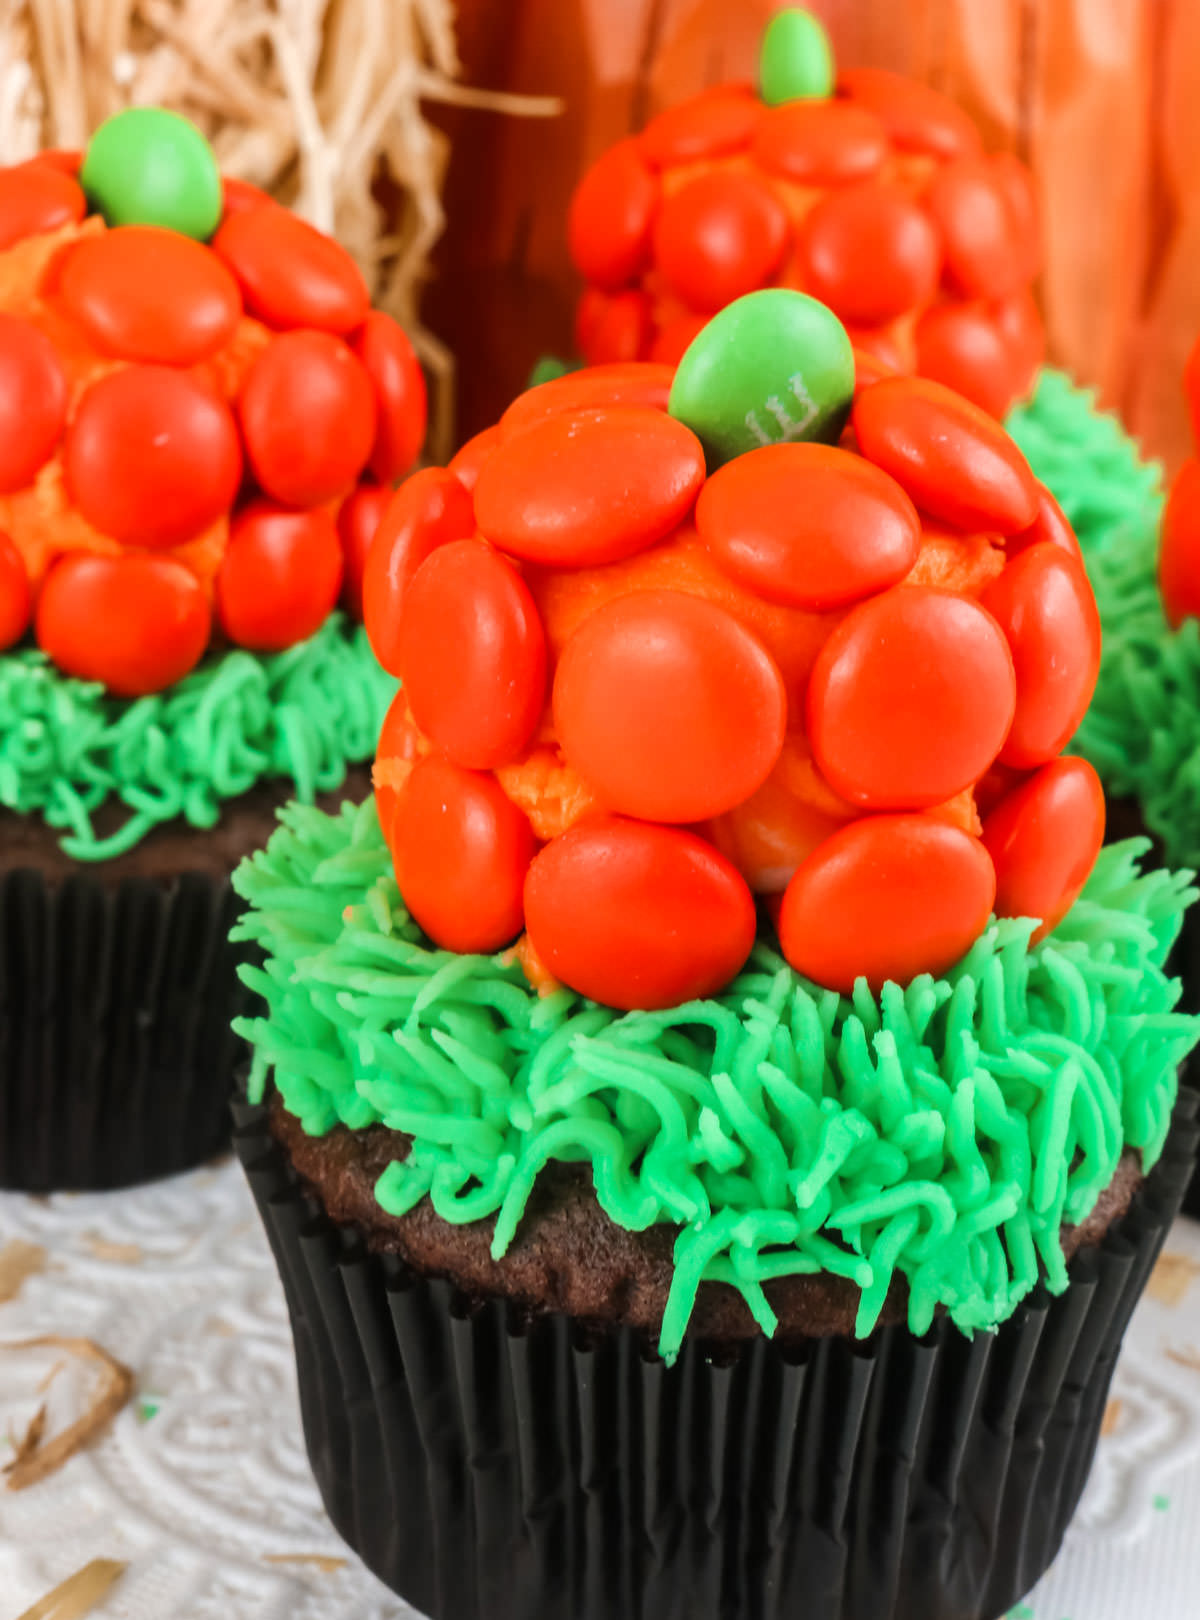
x=1101, y=97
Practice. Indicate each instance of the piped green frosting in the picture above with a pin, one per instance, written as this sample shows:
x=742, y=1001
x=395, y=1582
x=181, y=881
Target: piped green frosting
x=1142, y=732
x=946, y=1131
x=67, y=747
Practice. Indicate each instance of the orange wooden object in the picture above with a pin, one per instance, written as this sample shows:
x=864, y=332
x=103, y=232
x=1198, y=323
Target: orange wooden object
x=1100, y=97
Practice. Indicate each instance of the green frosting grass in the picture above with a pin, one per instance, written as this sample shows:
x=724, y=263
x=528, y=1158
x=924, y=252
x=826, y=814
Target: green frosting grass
x=67, y=747
x=945, y=1131
x=1142, y=732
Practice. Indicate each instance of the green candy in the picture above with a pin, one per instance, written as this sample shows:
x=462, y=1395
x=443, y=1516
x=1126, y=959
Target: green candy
x=146, y=166
x=796, y=60
x=771, y=368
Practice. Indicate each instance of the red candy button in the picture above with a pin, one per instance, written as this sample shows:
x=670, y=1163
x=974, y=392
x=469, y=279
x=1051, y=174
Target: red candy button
x=1051, y=525
x=808, y=526
x=357, y=524
x=638, y=916
x=1016, y=181
x=280, y=576
x=886, y=898
x=461, y=849
x=821, y=143
x=1191, y=384
x=673, y=340
x=144, y=293
x=136, y=623
x=37, y=197
x=308, y=416
x=955, y=461
x=608, y=222
x=1179, y=553
x=916, y=117
x=589, y=487
x=719, y=236
x=240, y=196
x=668, y=707
x=472, y=655
x=1020, y=325
x=66, y=159
x=633, y=383
x=152, y=456
x=1043, y=839
x=869, y=252
x=1044, y=604
x=428, y=509
x=290, y=273
x=33, y=401
x=399, y=740
x=960, y=346
x=16, y=599
x=401, y=407
x=467, y=463
x=707, y=126
x=910, y=699
x=612, y=327
x=981, y=236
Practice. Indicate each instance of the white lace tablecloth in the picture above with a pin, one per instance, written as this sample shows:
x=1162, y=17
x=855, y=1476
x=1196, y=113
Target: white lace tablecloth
x=202, y=1488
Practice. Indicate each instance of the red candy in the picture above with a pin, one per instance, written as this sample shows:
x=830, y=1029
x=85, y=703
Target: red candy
x=916, y=117
x=636, y=383
x=669, y=707
x=37, y=197
x=1179, y=552
x=401, y=407
x=589, y=487
x=358, y=522
x=152, y=456
x=143, y=293
x=719, y=236
x=962, y=347
x=137, y=623
x=461, y=850
x=16, y=599
x=33, y=401
x=240, y=196
x=467, y=463
x=886, y=898
x=712, y=125
x=608, y=222
x=1043, y=839
x=1050, y=525
x=399, y=746
x=308, y=416
x=638, y=916
x=911, y=699
x=280, y=576
x=472, y=655
x=428, y=510
x=1044, y=604
x=612, y=327
x=982, y=235
x=291, y=274
x=869, y=252
x=808, y=525
x=953, y=459
x=821, y=143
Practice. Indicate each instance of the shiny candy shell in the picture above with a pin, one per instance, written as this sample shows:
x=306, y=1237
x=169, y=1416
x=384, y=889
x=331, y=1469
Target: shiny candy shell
x=910, y=699
x=589, y=487
x=808, y=525
x=887, y=898
x=636, y=915
x=771, y=368
x=16, y=599
x=1179, y=554
x=719, y=236
x=637, y=382
x=147, y=166
x=33, y=401
x=1044, y=838
x=795, y=60
x=668, y=707
x=821, y=143
x=428, y=510
x=609, y=220
x=290, y=273
x=36, y=197
x=870, y=252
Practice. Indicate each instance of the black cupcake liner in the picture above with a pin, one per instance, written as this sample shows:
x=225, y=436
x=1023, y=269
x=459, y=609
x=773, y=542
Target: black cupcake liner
x=117, y=1061
x=490, y=1467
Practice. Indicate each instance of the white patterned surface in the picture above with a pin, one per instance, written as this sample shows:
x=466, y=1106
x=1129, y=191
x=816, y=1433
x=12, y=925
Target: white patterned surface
x=202, y=1485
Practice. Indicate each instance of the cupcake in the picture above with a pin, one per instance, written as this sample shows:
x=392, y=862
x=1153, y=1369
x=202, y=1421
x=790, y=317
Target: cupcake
x=203, y=419
x=715, y=1109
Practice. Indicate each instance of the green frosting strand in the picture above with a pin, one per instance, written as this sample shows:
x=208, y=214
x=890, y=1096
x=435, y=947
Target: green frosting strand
x=1142, y=732
x=67, y=747
x=945, y=1131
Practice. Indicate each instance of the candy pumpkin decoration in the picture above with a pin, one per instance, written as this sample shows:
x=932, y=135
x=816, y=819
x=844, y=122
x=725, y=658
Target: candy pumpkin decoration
x=735, y=632
x=199, y=411
x=869, y=191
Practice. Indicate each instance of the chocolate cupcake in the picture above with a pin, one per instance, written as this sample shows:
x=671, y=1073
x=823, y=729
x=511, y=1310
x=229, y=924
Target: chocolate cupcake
x=716, y=1108
x=204, y=422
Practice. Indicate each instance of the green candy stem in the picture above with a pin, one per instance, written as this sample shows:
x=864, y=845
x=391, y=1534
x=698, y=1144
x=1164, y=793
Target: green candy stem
x=796, y=60
x=146, y=166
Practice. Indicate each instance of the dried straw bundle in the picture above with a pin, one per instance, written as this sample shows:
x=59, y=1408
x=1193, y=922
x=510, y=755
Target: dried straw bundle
x=317, y=101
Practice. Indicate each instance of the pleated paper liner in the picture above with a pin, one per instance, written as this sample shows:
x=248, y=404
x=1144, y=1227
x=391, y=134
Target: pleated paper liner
x=116, y=1056
x=488, y=1467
